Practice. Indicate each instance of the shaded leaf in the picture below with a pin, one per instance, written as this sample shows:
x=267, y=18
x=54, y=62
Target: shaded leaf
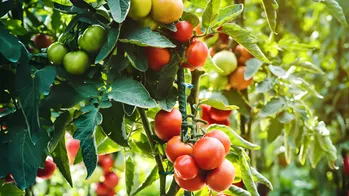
x=259, y=178
x=60, y=157
x=274, y=106
x=109, y=45
x=137, y=57
x=9, y=46
x=191, y=18
x=252, y=67
x=167, y=103
x=210, y=13
x=336, y=10
x=152, y=177
x=119, y=9
x=129, y=174
x=274, y=129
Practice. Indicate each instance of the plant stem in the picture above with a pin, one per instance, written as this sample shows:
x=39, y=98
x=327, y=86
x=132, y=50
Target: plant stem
x=194, y=93
x=182, y=100
x=148, y=132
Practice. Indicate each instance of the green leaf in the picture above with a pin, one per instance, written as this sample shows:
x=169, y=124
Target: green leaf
x=315, y=152
x=68, y=9
x=211, y=65
x=265, y=85
x=228, y=14
x=104, y=144
x=15, y=26
x=137, y=57
x=129, y=174
x=310, y=67
x=168, y=102
x=4, y=166
x=236, y=139
x=274, y=106
x=323, y=136
x=114, y=123
x=286, y=117
x=191, y=18
x=336, y=10
x=139, y=143
x=152, y=177
x=9, y=46
x=247, y=173
x=259, y=178
x=274, y=129
x=60, y=157
x=252, y=67
x=119, y=9
x=118, y=63
x=10, y=189
x=146, y=37
x=129, y=91
x=86, y=126
x=109, y=45
x=271, y=7
x=217, y=103
x=235, y=98
x=235, y=190
x=244, y=38
x=210, y=13
x=59, y=129
x=167, y=77
x=277, y=71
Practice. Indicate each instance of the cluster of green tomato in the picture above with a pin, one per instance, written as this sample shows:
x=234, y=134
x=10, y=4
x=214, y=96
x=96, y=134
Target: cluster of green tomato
x=78, y=62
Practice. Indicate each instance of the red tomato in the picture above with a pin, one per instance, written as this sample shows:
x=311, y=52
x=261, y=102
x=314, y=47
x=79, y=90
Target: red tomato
x=185, y=167
x=106, y=162
x=225, y=122
x=111, y=192
x=222, y=137
x=101, y=189
x=222, y=177
x=208, y=153
x=346, y=164
x=157, y=57
x=194, y=184
x=184, y=32
x=48, y=169
x=205, y=114
x=175, y=148
x=196, y=55
x=243, y=54
x=111, y=180
x=239, y=184
x=237, y=80
x=219, y=115
x=72, y=146
x=42, y=41
x=168, y=124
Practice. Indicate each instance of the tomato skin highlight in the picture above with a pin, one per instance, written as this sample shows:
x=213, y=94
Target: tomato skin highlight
x=184, y=32
x=222, y=137
x=194, y=184
x=185, y=167
x=222, y=177
x=48, y=169
x=237, y=80
x=208, y=153
x=168, y=124
x=157, y=58
x=196, y=55
x=175, y=148
x=219, y=115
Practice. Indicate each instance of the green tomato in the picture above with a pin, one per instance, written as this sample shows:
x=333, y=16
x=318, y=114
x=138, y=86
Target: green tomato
x=149, y=22
x=225, y=60
x=92, y=39
x=56, y=53
x=139, y=9
x=76, y=63
x=219, y=82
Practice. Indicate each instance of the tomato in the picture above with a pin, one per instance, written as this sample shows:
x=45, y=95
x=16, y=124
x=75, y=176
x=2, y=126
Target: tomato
x=237, y=80
x=222, y=177
x=101, y=189
x=194, y=184
x=111, y=192
x=243, y=54
x=219, y=115
x=106, y=162
x=218, y=82
x=72, y=146
x=185, y=167
x=111, y=180
x=223, y=38
x=208, y=153
x=48, y=169
x=149, y=22
x=282, y=160
x=139, y=9
x=56, y=53
x=166, y=11
x=225, y=122
x=205, y=114
x=92, y=39
x=184, y=32
x=226, y=61
x=239, y=184
x=42, y=41
x=175, y=148
x=346, y=164
x=222, y=137
x=196, y=55
x=198, y=30
x=157, y=57
x=168, y=124
x=76, y=62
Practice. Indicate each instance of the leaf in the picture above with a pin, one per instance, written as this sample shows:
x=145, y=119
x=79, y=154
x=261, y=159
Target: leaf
x=310, y=67
x=137, y=57
x=259, y=178
x=15, y=26
x=274, y=129
x=129, y=174
x=129, y=91
x=9, y=46
x=323, y=136
x=210, y=13
x=235, y=98
x=271, y=7
x=265, y=85
x=235, y=138
x=119, y=9
x=86, y=126
x=167, y=77
x=228, y=14
x=10, y=189
x=315, y=152
x=59, y=129
x=68, y=9
x=217, y=103
x=211, y=65
x=274, y=106
x=336, y=10
x=104, y=144
x=244, y=38
x=4, y=166
x=235, y=190
x=146, y=37
x=286, y=117
x=168, y=102
x=60, y=157
x=191, y=18
x=118, y=63
x=152, y=177
x=247, y=173
x=252, y=67
x=109, y=45
x=5, y=7
x=82, y=4
x=277, y=71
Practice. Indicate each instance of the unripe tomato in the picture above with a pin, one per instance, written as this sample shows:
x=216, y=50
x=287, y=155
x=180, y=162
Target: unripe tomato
x=48, y=169
x=196, y=55
x=166, y=11
x=218, y=82
x=92, y=39
x=346, y=164
x=111, y=180
x=148, y=22
x=139, y=9
x=184, y=32
x=101, y=189
x=168, y=124
x=76, y=62
x=72, y=146
x=56, y=53
x=222, y=177
x=194, y=184
x=226, y=61
x=157, y=58
x=42, y=41
x=222, y=137
x=175, y=148
x=243, y=54
x=219, y=115
x=185, y=167
x=237, y=80
x=106, y=162
x=208, y=153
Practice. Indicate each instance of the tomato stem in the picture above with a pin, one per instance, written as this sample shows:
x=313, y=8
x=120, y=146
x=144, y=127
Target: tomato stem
x=182, y=100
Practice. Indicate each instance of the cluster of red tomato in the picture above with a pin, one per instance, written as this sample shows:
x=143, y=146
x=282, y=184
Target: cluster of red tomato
x=111, y=179
x=215, y=116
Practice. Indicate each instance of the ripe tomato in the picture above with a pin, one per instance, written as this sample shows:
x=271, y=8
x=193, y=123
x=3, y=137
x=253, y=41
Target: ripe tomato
x=219, y=115
x=48, y=169
x=149, y=22
x=243, y=54
x=196, y=55
x=184, y=32
x=168, y=124
x=111, y=192
x=111, y=180
x=222, y=177
x=76, y=62
x=175, y=148
x=208, y=153
x=194, y=184
x=222, y=137
x=226, y=61
x=166, y=11
x=237, y=80
x=101, y=189
x=346, y=164
x=157, y=57
x=205, y=114
x=56, y=53
x=42, y=41
x=9, y=179
x=92, y=39
x=139, y=9
x=185, y=167
x=72, y=146
x=106, y=162
x=225, y=122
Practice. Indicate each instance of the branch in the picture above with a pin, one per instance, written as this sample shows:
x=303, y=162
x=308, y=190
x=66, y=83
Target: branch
x=194, y=93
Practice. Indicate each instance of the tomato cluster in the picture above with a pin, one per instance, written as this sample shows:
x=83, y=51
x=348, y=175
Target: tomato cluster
x=215, y=116
x=111, y=179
